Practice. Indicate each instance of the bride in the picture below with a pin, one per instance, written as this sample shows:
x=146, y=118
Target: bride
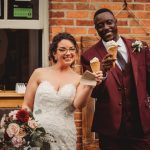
x=53, y=93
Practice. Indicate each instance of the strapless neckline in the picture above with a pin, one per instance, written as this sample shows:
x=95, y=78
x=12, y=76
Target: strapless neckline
x=60, y=88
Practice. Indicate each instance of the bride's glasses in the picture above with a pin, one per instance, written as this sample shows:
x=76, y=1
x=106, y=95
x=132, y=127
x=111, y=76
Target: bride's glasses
x=65, y=50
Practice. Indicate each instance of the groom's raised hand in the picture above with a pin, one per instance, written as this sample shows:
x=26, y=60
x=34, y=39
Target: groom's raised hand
x=107, y=63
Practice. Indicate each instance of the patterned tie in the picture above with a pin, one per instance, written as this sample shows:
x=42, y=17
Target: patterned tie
x=121, y=60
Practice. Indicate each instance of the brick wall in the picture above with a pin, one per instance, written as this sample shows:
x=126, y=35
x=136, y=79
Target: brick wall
x=76, y=17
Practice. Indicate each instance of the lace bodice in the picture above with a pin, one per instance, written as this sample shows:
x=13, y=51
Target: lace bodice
x=54, y=111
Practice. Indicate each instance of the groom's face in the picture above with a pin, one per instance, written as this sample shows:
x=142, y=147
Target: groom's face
x=106, y=26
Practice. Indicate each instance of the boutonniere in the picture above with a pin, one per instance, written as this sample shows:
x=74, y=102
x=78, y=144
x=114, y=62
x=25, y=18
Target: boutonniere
x=137, y=46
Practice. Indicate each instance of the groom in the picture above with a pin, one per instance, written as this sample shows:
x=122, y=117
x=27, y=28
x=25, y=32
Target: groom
x=122, y=111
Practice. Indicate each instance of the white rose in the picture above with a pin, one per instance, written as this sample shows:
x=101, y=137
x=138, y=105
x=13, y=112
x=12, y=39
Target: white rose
x=32, y=124
x=22, y=133
x=13, y=114
x=13, y=129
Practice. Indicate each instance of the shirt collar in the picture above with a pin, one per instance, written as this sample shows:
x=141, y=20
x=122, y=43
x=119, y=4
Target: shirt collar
x=119, y=42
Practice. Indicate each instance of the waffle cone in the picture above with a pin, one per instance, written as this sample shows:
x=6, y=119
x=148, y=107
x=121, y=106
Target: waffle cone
x=113, y=52
x=95, y=66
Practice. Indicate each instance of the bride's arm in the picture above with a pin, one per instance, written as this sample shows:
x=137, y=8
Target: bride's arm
x=82, y=95
x=30, y=91
x=84, y=91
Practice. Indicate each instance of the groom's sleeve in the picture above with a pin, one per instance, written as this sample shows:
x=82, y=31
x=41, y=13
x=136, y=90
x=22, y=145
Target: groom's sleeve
x=85, y=64
x=148, y=69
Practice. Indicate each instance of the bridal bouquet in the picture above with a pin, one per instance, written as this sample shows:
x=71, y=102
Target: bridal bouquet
x=19, y=130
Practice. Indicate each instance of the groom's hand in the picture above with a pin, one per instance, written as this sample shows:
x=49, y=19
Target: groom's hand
x=107, y=63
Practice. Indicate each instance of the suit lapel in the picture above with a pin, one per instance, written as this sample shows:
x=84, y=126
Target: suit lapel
x=101, y=50
x=133, y=59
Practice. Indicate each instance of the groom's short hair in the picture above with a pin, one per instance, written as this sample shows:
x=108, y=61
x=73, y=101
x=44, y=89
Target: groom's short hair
x=102, y=10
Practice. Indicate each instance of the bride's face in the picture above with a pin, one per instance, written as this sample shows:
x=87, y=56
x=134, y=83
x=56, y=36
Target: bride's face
x=65, y=53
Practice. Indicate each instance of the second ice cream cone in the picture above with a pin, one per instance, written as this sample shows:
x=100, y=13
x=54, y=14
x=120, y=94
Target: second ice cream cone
x=95, y=64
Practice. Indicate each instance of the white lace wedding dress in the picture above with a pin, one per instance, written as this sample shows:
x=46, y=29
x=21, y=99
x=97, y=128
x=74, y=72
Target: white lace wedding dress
x=53, y=110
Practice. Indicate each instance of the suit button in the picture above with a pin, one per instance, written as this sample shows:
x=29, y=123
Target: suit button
x=120, y=103
x=119, y=89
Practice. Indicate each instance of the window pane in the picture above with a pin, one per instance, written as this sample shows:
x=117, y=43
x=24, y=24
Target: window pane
x=23, y=9
x=20, y=55
x=1, y=9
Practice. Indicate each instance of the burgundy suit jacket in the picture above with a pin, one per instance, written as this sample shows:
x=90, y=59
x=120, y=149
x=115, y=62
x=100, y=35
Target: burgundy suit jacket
x=108, y=111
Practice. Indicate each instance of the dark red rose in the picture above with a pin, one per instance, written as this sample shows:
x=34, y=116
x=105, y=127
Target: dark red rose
x=22, y=115
x=6, y=137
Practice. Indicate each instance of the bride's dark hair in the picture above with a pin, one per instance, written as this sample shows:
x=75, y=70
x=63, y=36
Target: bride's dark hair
x=56, y=39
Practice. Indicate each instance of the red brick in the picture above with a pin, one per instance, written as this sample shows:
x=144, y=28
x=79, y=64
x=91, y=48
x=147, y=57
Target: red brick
x=84, y=22
x=145, y=23
x=140, y=23
x=133, y=22
x=78, y=123
x=92, y=31
x=75, y=0
x=77, y=37
x=79, y=131
x=60, y=6
x=137, y=31
x=122, y=23
x=77, y=14
x=122, y=14
x=76, y=30
x=91, y=15
x=61, y=22
x=112, y=6
x=143, y=14
x=124, y=30
x=85, y=6
x=78, y=110
x=121, y=0
x=98, y=1
x=55, y=30
x=79, y=139
x=78, y=116
x=147, y=7
x=79, y=146
x=136, y=6
x=143, y=1
x=57, y=14
x=57, y=0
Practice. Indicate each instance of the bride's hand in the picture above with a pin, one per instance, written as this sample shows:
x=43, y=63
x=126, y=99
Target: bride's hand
x=98, y=77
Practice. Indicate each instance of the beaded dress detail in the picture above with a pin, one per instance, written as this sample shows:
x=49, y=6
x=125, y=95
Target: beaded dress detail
x=54, y=111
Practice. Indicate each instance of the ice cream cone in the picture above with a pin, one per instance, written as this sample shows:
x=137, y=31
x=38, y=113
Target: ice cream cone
x=112, y=48
x=95, y=64
x=113, y=52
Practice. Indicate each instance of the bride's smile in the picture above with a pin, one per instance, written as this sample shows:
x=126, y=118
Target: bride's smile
x=65, y=53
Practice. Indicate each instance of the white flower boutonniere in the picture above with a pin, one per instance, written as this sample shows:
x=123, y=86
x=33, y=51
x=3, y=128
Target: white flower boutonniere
x=137, y=46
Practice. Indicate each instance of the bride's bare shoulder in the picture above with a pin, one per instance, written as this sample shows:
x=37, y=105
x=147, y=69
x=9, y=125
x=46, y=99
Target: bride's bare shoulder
x=40, y=70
